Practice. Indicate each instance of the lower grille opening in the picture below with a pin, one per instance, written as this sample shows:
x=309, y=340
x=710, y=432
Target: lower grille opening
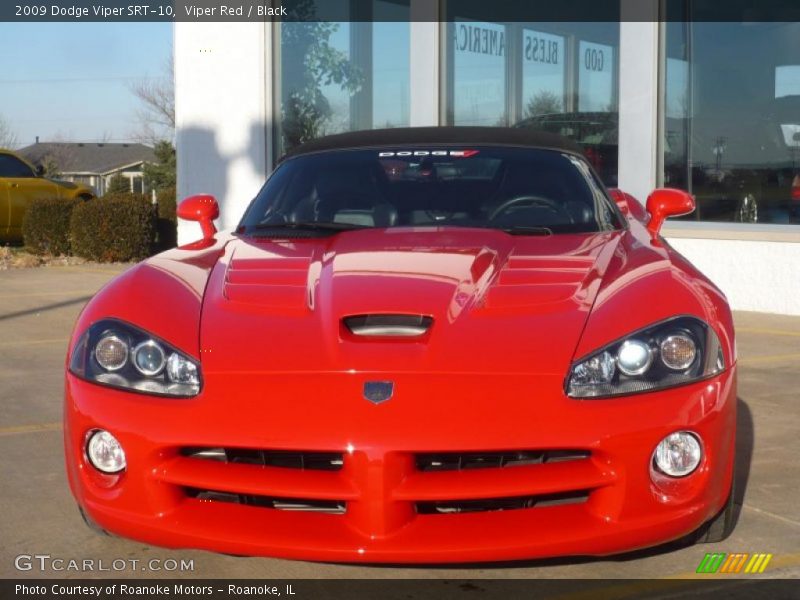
x=335, y=507
x=315, y=461
x=494, y=504
x=455, y=461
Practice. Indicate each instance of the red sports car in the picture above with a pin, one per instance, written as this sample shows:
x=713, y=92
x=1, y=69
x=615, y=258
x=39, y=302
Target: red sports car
x=419, y=345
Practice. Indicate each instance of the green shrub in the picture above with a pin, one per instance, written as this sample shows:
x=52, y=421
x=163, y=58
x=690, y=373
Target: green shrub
x=167, y=225
x=46, y=225
x=167, y=205
x=118, y=228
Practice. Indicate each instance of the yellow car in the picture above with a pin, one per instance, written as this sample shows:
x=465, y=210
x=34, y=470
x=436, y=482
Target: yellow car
x=21, y=183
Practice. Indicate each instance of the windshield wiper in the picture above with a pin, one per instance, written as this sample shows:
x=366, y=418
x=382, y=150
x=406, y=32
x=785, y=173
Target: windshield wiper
x=310, y=226
x=526, y=230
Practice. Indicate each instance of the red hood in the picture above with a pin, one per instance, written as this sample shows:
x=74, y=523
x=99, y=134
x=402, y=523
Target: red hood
x=499, y=303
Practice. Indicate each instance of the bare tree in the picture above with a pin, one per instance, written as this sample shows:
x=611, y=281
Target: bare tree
x=157, y=115
x=60, y=156
x=58, y=159
x=543, y=103
x=8, y=139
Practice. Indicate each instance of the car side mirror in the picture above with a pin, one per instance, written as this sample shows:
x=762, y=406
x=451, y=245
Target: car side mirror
x=202, y=208
x=667, y=202
x=40, y=170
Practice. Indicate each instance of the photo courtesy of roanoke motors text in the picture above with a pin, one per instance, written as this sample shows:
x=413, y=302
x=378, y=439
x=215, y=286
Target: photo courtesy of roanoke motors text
x=399, y=298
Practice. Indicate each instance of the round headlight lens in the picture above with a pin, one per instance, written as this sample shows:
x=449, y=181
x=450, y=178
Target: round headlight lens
x=678, y=454
x=180, y=370
x=634, y=357
x=149, y=358
x=105, y=452
x=111, y=352
x=678, y=351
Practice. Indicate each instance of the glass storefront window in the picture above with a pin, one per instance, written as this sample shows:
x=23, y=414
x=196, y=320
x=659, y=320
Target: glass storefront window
x=595, y=78
x=390, y=68
x=543, y=73
x=479, y=58
x=732, y=119
x=559, y=77
x=332, y=77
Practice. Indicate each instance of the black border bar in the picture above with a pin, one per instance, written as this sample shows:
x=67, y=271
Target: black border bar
x=515, y=11
x=398, y=589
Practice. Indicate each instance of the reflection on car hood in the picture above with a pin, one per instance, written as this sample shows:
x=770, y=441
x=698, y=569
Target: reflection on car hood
x=499, y=303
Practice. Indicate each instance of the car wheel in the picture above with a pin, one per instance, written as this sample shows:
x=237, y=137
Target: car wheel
x=748, y=210
x=721, y=526
x=91, y=524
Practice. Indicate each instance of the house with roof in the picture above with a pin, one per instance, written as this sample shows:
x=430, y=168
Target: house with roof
x=93, y=164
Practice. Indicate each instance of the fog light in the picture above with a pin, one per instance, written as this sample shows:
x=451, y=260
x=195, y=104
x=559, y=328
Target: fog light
x=678, y=454
x=105, y=452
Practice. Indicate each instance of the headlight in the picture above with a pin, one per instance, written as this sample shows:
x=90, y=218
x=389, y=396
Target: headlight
x=119, y=355
x=673, y=352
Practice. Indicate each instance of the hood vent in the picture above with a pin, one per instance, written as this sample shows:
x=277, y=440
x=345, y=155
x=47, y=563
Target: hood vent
x=388, y=325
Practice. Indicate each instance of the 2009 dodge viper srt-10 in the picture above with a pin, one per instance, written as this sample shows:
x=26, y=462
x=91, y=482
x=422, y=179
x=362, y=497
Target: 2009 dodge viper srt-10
x=419, y=345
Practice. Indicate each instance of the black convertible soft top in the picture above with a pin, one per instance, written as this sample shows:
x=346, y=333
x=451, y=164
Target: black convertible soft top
x=426, y=136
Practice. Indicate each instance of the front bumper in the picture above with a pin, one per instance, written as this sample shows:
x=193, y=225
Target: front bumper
x=379, y=482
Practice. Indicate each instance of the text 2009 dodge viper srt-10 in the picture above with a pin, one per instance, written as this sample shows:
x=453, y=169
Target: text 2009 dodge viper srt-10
x=419, y=345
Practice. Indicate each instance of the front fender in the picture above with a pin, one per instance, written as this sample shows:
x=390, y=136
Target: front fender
x=162, y=295
x=646, y=282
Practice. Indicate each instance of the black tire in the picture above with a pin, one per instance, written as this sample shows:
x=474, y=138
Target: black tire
x=721, y=526
x=91, y=524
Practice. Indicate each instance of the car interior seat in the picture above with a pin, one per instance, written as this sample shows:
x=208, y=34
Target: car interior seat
x=350, y=196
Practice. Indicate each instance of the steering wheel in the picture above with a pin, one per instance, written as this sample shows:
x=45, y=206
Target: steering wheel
x=327, y=205
x=528, y=200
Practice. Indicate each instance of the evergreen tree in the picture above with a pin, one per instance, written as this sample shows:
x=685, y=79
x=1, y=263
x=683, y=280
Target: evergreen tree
x=118, y=185
x=161, y=175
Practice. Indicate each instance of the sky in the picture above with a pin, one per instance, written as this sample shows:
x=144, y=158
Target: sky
x=71, y=81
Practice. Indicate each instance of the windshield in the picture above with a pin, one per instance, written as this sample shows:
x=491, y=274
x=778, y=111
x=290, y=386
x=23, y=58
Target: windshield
x=513, y=189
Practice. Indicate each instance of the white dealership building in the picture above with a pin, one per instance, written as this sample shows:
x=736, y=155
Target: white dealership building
x=710, y=107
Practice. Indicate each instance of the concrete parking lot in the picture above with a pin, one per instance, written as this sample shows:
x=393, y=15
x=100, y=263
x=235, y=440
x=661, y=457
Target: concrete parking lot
x=38, y=516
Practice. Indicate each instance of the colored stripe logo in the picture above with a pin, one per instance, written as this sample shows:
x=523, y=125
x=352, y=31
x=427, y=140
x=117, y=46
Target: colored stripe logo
x=737, y=562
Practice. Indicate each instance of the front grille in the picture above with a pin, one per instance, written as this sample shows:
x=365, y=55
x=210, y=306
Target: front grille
x=314, y=461
x=457, y=461
x=293, y=504
x=496, y=504
x=434, y=483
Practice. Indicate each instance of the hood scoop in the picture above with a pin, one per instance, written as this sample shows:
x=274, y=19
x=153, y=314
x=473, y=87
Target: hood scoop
x=403, y=326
